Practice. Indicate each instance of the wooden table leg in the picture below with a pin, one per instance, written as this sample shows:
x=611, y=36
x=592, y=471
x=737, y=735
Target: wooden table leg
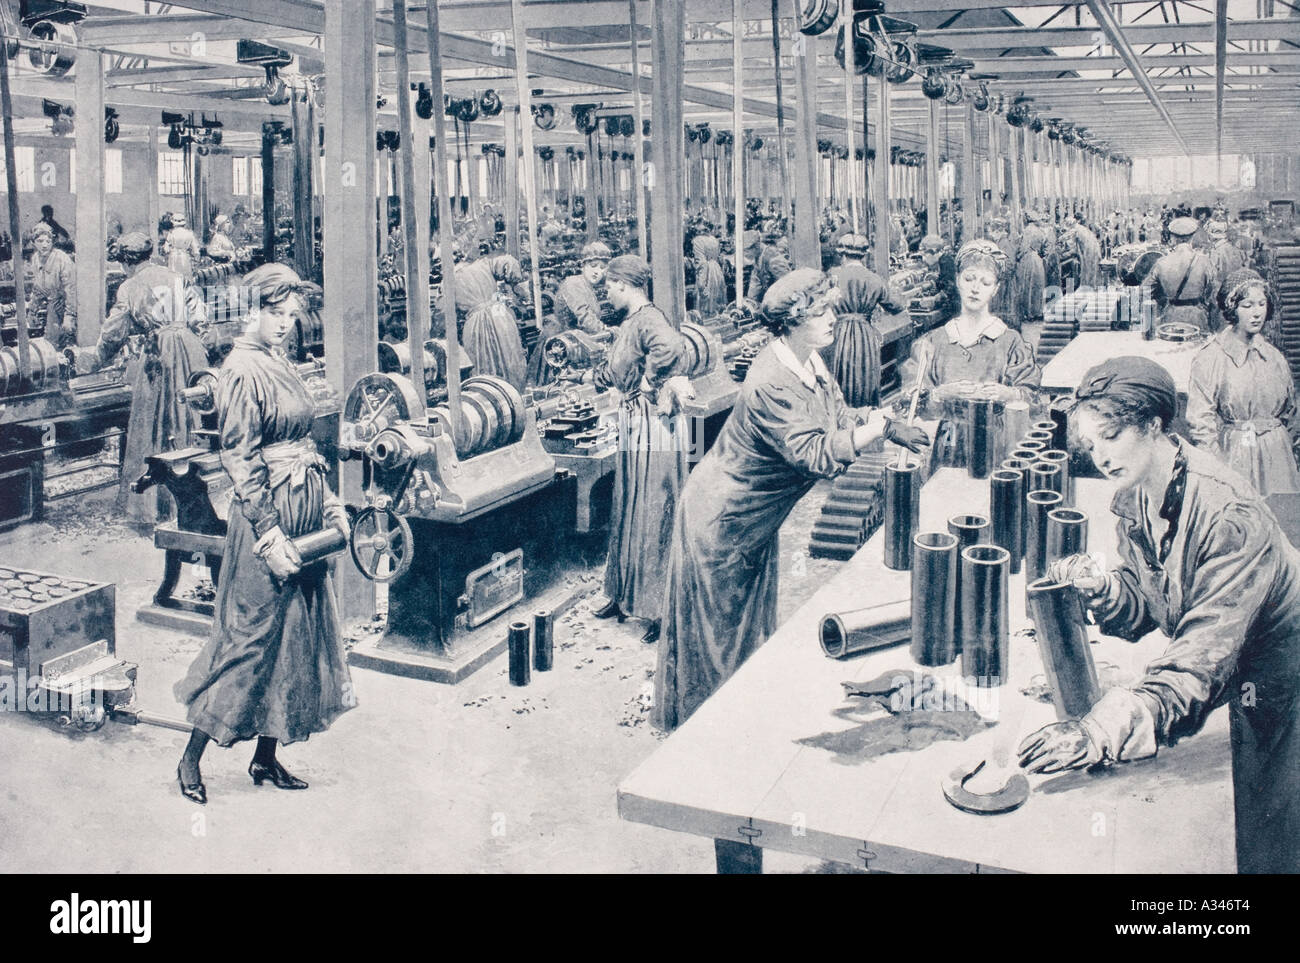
x=735, y=859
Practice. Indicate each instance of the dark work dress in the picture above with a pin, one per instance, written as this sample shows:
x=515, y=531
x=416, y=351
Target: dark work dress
x=274, y=664
x=721, y=600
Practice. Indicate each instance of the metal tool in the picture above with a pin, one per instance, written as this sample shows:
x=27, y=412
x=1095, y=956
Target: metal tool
x=1011, y=796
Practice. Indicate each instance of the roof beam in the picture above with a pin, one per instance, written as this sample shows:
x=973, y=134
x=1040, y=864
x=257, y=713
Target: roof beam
x=1006, y=38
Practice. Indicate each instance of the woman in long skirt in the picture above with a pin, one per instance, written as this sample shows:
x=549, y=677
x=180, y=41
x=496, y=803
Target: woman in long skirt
x=644, y=366
x=855, y=353
x=789, y=428
x=491, y=335
x=274, y=668
x=710, y=281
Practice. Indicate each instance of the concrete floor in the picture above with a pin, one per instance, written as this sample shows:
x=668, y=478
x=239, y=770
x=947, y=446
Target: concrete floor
x=420, y=777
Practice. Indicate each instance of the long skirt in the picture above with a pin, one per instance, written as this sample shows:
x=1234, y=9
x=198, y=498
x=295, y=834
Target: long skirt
x=648, y=479
x=274, y=664
x=492, y=342
x=1264, y=457
x=855, y=360
x=710, y=290
x=1030, y=283
x=160, y=420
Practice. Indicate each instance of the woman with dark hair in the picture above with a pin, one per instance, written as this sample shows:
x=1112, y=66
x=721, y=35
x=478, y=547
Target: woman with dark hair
x=644, y=366
x=167, y=318
x=855, y=355
x=789, y=427
x=1202, y=559
x=274, y=666
x=1241, y=398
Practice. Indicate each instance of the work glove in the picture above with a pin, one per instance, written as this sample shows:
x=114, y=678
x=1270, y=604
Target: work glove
x=275, y=549
x=911, y=437
x=336, y=515
x=1058, y=747
x=1083, y=572
x=674, y=391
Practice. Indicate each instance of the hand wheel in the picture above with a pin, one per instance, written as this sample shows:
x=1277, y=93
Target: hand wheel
x=381, y=543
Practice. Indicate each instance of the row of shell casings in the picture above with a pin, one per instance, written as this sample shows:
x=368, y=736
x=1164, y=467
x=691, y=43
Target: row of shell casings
x=23, y=590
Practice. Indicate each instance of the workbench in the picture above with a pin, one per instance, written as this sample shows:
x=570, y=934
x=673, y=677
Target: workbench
x=1064, y=372
x=779, y=759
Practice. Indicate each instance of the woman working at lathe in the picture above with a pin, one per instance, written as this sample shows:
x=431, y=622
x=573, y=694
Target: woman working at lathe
x=1203, y=560
x=789, y=427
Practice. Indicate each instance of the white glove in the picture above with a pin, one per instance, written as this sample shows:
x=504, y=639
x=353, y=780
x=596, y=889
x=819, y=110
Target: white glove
x=275, y=549
x=1083, y=572
x=335, y=514
x=675, y=391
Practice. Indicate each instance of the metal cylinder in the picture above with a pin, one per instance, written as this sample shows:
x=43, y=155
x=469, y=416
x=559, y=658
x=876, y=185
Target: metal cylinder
x=983, y=638
x=517, y=641
x=1061, y=459
x=1038, y=434
x=902, y=512
x=844, y=634
x=1056, y=428
x=934, y=598
x=1067, y=534
x=543, y=640
x=1007, y=513
x=1015, y=422
x=1029, y=448
x=1037, y=505
x=1061, y=630
x=319, y=545
x=969, y=530
x=1044, y=476
x=981, y=421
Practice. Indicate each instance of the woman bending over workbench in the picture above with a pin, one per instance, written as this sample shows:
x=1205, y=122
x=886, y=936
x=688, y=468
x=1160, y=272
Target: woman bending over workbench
x=1202, y=559
x=789, y=427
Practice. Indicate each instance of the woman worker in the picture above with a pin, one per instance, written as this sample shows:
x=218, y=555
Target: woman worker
x=220, y=247
x=855, y=355
x=491, y=336
x=643, y=364
x=274, y=665
x=789, y=428
x=155, y=304
x=577, y=308
x=1241, y=398
x=710, y=280
x=1202, y=559
x=53, y=301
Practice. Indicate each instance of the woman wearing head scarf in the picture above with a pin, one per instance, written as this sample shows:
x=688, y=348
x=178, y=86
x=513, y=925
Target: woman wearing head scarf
x=644, y=366
x=1241, y=398
x=53, y=298
x=1202, y=559
x=710, y=280
x=772, y=261
x=491, y=335
x=577, y=308
x=789, y=427
x=167, y=318
x=220, y=247
x=274, y=666
x=855, y=355
x=182, y=248
x=1030, y=281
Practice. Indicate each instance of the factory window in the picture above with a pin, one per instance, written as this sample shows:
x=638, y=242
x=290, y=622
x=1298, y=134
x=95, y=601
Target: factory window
x=112, y=170
x=171, y=173
x=247, y=173
x=25, y=160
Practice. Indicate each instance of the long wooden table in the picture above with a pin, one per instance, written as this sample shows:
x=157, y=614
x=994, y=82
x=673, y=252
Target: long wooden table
x=1066, y=370
x=779, y=759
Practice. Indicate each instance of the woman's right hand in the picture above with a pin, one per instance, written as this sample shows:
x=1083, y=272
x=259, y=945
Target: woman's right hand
x=279, y=554
x=1081, y=571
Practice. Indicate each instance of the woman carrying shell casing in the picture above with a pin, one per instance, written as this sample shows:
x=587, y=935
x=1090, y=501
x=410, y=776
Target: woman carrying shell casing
x=1203, y=560
x=274, y=667
x=789, y=427
x=1241, y=398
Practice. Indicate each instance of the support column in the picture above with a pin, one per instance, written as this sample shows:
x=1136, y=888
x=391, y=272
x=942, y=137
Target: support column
x=155, y=205
x=92, y=259
x=880, y=176
x=970, y=190
x=512, y=119
x=638, y=139
x=738, y=147
x=268, y=194
x=351, y=308
x=933, y=222
x=807, y=248
x=1016, y=222
x=668, y=151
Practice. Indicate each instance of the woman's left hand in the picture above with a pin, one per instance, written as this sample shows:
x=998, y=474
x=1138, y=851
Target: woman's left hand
x=1058, y=747
x=675, y=391
x=336, y=516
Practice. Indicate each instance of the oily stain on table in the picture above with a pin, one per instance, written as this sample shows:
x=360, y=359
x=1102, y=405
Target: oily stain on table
x=903, y=732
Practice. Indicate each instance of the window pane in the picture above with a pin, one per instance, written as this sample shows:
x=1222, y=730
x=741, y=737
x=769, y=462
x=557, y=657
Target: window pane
x=112, y=170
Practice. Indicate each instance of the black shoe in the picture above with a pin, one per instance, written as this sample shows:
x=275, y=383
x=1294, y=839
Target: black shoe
x=279, y=776
x=609, y=610
x=196, y=792
x=651, y=634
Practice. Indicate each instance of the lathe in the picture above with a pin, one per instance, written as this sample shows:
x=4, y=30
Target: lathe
x=466, y=517
x=51, y=414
